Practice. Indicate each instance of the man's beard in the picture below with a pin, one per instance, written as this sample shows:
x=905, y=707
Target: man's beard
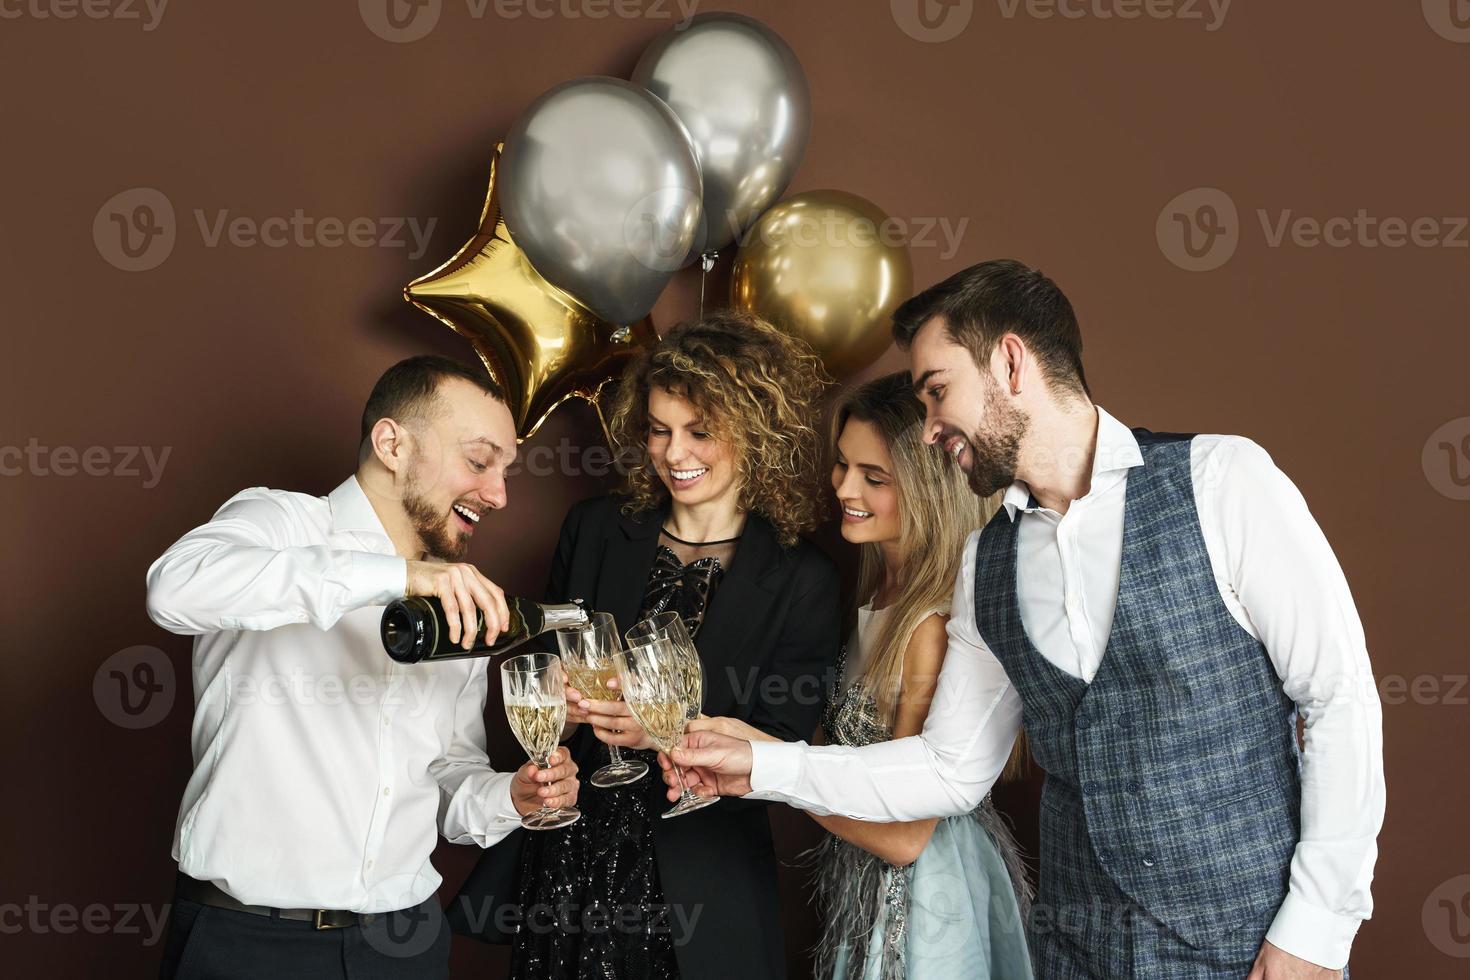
x=994, y=451
x=432, y=525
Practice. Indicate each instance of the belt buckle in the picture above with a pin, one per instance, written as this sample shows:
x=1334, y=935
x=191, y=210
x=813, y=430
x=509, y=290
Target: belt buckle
x=320, y=925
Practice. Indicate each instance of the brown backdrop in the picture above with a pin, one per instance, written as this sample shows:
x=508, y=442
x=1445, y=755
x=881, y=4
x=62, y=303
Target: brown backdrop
x=1059, y=140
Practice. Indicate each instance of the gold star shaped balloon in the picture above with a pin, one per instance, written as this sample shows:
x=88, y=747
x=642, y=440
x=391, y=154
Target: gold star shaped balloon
x=536, y=340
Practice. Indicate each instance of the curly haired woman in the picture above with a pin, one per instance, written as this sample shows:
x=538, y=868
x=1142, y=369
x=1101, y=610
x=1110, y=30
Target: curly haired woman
x=710, y=527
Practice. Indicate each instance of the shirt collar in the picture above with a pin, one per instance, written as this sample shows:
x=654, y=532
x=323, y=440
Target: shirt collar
x=353, y=512
x=1116, y=450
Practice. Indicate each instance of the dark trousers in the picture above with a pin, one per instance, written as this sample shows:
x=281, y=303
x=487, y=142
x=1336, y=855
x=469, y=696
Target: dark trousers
x=208, y=943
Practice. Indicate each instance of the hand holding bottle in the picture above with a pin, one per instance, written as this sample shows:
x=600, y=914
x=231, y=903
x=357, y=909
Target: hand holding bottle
x=465, y=594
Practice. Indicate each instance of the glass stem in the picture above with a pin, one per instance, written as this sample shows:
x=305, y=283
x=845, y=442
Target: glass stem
x=544, y=764
x=615, y=754
x=684, y=793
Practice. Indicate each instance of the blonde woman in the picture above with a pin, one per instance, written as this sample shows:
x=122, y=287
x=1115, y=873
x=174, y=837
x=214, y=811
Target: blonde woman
x=928, y=899
x=710, y=527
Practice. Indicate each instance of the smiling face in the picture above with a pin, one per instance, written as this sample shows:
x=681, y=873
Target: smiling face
x=966, y=411
x=862, y=478
x=457, y=470
x=696, y=467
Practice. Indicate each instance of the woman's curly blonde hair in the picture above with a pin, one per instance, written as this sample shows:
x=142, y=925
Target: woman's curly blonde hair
x=757, y=389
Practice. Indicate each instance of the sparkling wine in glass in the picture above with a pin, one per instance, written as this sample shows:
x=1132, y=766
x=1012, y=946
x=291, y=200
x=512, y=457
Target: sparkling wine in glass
x=536, y=708
x=670, y=626
x=652, y=673
x=587, y=656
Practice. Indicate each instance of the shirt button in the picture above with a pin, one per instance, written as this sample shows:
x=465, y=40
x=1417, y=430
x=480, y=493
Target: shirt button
x=370, y=862
x=385, y=791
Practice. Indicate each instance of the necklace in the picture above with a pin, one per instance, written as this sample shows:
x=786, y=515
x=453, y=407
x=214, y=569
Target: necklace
x=697, y=544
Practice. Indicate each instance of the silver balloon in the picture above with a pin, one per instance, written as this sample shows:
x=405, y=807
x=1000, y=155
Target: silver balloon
x=744, y=99
x=600, y=188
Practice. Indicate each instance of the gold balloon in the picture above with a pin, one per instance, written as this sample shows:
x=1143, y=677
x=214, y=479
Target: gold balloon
x=827, y=266
x=536, y=340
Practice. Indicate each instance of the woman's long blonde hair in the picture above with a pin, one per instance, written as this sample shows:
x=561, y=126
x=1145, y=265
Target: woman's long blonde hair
x=937, y=511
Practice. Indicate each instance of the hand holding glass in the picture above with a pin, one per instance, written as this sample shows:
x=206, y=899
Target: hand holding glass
x=536, y=707
x=653, y=675
x=587, y=655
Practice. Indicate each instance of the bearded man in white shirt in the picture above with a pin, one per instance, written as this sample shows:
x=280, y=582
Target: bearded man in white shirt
x=322, y=767
x=1157, y=610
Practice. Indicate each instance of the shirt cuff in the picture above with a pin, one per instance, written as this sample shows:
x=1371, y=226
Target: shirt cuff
x=375, y=580
x=775, y=768
x=1313, y=934
x=484, y=820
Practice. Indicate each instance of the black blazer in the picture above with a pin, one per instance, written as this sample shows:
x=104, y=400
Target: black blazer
x=769, y=644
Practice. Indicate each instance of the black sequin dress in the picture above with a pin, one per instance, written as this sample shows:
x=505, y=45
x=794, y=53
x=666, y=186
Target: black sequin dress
x=592, y=904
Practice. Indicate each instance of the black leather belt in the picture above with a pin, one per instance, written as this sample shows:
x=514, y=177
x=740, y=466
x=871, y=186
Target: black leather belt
x=208, y=893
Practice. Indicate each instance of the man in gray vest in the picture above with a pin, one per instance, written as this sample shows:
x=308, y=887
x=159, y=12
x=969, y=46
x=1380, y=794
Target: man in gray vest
x=1156, y=609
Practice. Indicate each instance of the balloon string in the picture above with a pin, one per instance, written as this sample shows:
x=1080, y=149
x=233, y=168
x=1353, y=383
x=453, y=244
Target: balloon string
x=706, y=263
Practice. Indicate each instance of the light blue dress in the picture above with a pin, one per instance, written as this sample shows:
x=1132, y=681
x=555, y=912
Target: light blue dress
x=954, y=914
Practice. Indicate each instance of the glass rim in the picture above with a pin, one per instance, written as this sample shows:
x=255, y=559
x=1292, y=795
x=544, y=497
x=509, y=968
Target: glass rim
x=512, y=665
x=593, y=618
x=647, y=641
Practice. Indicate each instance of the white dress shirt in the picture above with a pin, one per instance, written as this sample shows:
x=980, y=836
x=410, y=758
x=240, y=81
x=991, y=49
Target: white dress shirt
x=321, y=766
x=1281, y=582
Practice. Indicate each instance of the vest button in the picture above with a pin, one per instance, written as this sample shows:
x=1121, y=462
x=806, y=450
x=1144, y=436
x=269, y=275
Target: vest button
x=1148, y=863
x=1135, y=787
x=1083, y=721
x=1090, y=787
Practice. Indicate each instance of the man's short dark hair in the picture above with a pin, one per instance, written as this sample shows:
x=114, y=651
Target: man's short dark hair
x=981, y=304
x=407, y=391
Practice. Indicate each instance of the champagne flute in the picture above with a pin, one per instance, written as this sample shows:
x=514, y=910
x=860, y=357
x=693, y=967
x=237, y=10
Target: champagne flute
x=652, y=674
x=670, y=625
x=536, y=707
x=587, y=656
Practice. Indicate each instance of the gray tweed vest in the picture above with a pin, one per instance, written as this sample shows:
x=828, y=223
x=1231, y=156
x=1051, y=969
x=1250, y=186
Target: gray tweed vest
x=1173, y=776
